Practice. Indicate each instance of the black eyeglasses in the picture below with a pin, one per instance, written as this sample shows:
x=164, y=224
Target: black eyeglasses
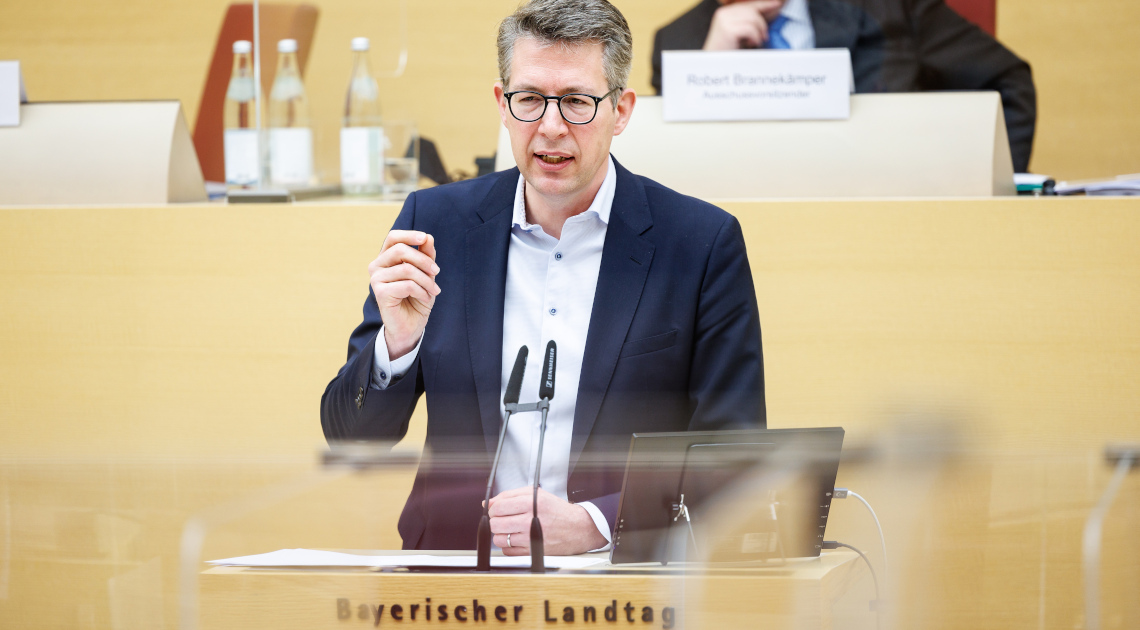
x=576, y=109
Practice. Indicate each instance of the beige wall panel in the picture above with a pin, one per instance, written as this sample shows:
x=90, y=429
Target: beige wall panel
x=112, y=49
x=214, y=329
x=1015, y=315
x=116, y=319
x=1085, y=57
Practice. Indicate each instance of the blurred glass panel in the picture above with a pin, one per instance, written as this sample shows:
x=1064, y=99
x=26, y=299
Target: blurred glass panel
x=974, y=537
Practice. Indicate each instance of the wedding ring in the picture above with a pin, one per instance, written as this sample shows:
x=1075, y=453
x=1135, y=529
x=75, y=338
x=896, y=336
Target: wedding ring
x=509, y=541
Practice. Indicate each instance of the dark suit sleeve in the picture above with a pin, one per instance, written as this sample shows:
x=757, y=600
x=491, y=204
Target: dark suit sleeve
x=350, y=408
x=608, y=506
x=726, y=385
x=957, y=55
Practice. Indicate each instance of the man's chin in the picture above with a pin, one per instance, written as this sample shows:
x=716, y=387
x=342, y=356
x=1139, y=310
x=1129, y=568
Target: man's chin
x=550, y=184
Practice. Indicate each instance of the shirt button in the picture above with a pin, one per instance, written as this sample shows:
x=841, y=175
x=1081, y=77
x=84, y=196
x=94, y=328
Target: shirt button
x=557, y=255
x=553, y=311
x=383, y=375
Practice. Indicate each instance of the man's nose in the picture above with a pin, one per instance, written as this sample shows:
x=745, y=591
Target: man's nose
x=552, y=124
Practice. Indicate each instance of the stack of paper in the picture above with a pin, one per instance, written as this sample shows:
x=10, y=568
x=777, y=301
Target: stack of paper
x=1123, y=185
x=315, y=558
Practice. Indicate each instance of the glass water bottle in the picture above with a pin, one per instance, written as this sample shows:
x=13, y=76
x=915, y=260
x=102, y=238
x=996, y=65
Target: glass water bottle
x=290, y=134
x=362, y=136
x=242, y=146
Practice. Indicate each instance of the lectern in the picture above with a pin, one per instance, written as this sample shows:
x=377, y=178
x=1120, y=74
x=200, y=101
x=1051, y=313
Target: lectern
x=797, y=594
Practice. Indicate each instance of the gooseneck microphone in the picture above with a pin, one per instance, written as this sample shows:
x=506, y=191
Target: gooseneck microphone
x=545, y=394
x=546, y=385
x=510, y=404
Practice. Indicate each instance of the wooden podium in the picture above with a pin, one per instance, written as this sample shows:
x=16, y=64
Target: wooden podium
x=800, y=594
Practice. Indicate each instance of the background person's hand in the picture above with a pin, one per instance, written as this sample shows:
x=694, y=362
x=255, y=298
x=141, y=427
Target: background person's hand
x=403, y=281
x=743, y=24
x=567, y=529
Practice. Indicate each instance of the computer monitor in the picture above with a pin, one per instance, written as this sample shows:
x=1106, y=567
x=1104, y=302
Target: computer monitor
x=731, y=496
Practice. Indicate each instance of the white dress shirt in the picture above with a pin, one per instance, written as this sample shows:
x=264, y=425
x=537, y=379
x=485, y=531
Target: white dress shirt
x=549, y=296
x=798, y=29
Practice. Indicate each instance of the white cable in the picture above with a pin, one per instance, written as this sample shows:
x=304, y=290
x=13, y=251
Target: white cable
x=882, y=539
x=841, y=493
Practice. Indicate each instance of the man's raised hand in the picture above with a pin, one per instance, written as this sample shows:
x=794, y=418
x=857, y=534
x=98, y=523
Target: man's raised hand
x=403, y=281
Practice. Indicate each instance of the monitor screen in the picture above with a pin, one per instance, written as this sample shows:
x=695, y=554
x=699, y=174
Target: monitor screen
x=726, y=496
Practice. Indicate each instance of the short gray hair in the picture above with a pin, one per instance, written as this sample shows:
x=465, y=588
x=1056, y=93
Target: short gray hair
x=571, y=22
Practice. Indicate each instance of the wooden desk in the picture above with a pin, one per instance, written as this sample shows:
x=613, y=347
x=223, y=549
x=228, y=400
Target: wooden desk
x=801, y=595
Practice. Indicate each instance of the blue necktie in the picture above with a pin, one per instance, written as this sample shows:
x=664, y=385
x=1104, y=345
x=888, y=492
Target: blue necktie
x=776, y=39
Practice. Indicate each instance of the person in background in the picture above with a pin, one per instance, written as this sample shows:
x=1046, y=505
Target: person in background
x=896, y=46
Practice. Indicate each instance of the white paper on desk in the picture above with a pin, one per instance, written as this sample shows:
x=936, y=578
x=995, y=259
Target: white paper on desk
x=11, y=93
x=316, y=558
x=1108, y=187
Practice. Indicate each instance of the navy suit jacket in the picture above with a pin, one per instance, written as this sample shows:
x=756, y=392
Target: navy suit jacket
x=899, y=46
x=673, y=345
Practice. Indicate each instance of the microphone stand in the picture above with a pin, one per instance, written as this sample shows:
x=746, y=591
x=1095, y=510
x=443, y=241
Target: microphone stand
x=537, y=564
x=536, y=529
x=510, y=404
x=545, y=393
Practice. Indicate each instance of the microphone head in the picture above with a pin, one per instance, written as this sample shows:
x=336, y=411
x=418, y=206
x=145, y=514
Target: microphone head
x=514, y=385
x=549, y=360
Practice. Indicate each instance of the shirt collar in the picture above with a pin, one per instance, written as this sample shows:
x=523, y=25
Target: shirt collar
x=796, y=11
x=601, y=206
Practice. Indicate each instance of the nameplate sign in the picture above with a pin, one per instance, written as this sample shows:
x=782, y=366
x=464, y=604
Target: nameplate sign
x=11, y=93
x=699, y=86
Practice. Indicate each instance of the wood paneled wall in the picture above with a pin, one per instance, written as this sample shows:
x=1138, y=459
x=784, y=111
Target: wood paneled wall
x=213, y=329
x=1085, y=57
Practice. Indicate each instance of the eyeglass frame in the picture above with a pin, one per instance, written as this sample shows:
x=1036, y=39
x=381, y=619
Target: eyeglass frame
x=546, y=103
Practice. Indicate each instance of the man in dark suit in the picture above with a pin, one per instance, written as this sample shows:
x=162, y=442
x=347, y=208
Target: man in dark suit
x=647, y=293
x=896, y=46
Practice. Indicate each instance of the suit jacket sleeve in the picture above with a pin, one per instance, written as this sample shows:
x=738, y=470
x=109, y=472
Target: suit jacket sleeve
x=957, y=55
x=727, y=376
x=350, y=408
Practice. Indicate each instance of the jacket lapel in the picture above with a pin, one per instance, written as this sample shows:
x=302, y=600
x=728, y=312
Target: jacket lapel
x=485, y=289
x=626, y=258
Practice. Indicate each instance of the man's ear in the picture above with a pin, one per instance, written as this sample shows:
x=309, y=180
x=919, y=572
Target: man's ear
x=624, y=110
x=499, y=91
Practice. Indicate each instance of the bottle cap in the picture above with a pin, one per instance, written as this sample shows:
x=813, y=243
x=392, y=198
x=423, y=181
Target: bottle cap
x=242, y=47
x=287, y=46
x=359, y=44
